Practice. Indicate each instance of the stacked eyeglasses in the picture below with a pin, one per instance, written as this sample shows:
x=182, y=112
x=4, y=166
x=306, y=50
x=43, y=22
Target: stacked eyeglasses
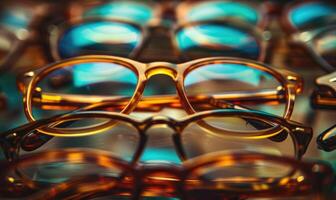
x=238, y=141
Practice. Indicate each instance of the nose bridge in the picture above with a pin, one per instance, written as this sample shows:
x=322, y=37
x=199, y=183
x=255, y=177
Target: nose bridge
x=165, y=68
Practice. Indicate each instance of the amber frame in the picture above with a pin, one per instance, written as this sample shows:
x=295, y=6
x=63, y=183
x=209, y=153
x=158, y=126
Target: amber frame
x=164, y=179
x=325, y=142
x=324, y=96
x=291, y=84
x=259, y=31
x=12, y=140
x=295, y=34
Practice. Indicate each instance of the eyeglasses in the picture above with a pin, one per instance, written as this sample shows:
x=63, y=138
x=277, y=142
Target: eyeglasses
x=202, y=84
x=215, y=176
x=202, y=29
x=325, y=94
x=20, y=26
x=327, y=140
x=312, y=25
x=194, y=135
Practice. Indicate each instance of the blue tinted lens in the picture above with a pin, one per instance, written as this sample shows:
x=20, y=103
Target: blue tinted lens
x=15, y=19
x=216, y=39
x=132, y=11
x=309, y=12
x=99, y=38
x=220, y=9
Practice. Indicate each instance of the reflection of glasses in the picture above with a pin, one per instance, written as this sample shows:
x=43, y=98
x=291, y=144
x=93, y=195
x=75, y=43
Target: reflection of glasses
x=214, y=176
x=202, y=29
x=194, y=135
x=312, y=25
x=327, y=139
x=325, y=94
x=201, y=84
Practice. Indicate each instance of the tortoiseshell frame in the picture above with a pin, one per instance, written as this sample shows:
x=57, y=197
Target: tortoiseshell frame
x=299, y=37
x=138, y=180
x=325, y=94
x=158, y=22
x=327, y=139
x=21, y=137
x=286, y=92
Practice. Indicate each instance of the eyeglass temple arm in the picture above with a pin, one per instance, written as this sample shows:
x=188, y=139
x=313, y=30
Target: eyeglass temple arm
x=327, y=139
x=151, y=103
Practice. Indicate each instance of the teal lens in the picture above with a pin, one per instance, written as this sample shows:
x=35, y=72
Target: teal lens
x=228, y=79
x=123, y=10
x=91, y=80
x=216, y=39
x=221, y=9
x=313, y=12
x=101, y=37
x=325, y=46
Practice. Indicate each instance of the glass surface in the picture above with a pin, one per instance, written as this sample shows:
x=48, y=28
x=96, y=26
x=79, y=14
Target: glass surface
x=216, y=39
x=231, y=133
x=222, y=9
x=124, y=10
x=91, y=79
x=101, y=37
x=325, y=46
x=310, y=12
x=216, y=79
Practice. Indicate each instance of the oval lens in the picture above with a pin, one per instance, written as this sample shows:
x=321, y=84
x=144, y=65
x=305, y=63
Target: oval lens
x=100, y=37
x=53, y=170
x=234, y=133
x=85, y=83
x=246, y=176
x=221, y=9
x=325, y=46
x=215, y=39
x=228, y=82
x=311, y=12
x=124, y=10
x=120, y=138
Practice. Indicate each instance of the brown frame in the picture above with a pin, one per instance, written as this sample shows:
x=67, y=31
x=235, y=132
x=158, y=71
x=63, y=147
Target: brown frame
x=259, y=31
x=327, y=139
x=295, y=37
x=291, y=84
x=12, y=140
x=165, y=180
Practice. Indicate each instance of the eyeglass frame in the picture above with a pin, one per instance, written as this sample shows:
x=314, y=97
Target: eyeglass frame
x=291, y=83
x=320, y=174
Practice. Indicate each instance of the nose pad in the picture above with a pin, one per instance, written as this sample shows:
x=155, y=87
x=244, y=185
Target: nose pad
x=160, y=146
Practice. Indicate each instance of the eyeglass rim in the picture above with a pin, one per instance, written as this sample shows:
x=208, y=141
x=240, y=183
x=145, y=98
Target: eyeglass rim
x=310, y=169
x=144, y=70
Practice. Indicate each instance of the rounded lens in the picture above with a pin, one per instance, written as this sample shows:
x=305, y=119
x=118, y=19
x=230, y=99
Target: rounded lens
x=54, y=169
x=215, y=39
x=119, y=138
x=234, y=133
x=225, y=84
x=101, y=37
x=221, y=9
x=248, y=175
x=313, y=12
x=325, y=46
x=125, y=10
x=84, y=83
